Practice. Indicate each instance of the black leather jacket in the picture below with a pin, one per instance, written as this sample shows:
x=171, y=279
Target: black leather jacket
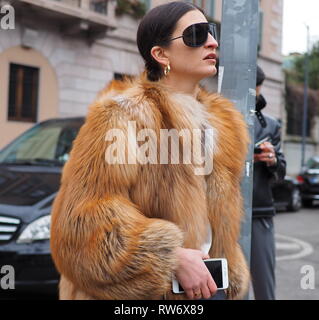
x=263, y=205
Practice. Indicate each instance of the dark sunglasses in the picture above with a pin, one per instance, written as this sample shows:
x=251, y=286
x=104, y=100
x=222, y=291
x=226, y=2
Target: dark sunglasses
x=196, y=34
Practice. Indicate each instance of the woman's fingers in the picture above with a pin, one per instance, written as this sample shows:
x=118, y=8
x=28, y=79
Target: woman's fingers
x=197, y=293
x=190, y=294
x=193, y=275
x=206, y=294
x=205, y=291
x=212, y=286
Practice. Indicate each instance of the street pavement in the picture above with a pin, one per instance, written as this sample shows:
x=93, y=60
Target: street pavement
x=297, y=254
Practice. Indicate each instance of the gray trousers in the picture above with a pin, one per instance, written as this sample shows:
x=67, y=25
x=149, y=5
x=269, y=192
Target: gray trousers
x=262, y=263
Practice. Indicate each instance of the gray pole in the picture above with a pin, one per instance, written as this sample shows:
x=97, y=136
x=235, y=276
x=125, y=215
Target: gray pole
x=237, y=81
x=305, y=104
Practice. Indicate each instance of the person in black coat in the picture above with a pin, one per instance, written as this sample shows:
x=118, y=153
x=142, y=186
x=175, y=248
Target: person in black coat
x=269, y=165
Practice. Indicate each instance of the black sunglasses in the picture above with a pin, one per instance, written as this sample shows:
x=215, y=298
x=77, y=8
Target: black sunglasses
x=196, y=34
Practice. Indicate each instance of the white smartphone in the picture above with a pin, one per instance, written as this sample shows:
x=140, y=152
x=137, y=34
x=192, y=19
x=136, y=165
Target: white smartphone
x=218, y=268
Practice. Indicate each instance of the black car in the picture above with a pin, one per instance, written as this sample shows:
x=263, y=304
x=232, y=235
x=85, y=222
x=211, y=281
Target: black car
x=286, y=194
x=30, y=171
x=309, y=182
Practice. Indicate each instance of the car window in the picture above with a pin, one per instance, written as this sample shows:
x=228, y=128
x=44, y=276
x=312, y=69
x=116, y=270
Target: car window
x=313, y=163
x=41, y=144
x=64, y=144
x=46, y=143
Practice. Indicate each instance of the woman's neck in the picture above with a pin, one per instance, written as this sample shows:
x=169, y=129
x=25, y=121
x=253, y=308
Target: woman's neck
x=181, y=85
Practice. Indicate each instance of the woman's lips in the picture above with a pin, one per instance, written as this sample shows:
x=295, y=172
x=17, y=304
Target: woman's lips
x=211, y=56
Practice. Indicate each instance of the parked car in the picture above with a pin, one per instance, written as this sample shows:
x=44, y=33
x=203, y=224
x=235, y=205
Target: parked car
x=287, y=195
x=309, y=182
x=30, y=171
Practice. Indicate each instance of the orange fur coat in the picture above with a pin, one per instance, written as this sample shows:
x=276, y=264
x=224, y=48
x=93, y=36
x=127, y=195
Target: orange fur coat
x=115, y=226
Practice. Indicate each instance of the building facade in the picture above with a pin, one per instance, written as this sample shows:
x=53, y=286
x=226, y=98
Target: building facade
x=270, y=57
x=65, y=52
x=61, y=53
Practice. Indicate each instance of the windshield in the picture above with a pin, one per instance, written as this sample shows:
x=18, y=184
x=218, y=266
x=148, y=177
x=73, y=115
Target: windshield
x=47, y=143
x=313, y=163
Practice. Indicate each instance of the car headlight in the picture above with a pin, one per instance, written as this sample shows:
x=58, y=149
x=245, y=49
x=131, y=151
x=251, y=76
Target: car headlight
x=36, y=230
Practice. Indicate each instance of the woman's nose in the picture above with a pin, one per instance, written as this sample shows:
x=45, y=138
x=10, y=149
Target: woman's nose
x=211, y=42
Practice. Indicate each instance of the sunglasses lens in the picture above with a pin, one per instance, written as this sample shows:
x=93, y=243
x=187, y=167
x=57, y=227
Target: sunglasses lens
x=213, y=31
x=196, y=34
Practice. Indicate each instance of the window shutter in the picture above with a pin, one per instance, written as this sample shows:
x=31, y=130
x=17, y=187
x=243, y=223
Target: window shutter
x=23, y=93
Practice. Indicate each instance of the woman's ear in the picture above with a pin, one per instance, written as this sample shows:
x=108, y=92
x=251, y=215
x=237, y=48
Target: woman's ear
x=160, y=55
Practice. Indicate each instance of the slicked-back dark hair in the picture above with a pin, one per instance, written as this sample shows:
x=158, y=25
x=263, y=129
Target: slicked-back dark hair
x=260, y=76
x=156, y=28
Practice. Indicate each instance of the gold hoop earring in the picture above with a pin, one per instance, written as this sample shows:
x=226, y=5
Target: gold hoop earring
x=167, y=69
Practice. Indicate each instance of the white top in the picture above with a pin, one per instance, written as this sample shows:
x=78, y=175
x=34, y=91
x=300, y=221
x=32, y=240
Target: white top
x=205, y=247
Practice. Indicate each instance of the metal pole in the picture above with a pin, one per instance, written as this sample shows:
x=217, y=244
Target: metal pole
x=305, y=104
x=237, y=81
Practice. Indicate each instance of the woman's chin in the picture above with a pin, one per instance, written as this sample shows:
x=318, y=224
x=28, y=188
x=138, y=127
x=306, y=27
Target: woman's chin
x=203, y=73
x=210, y=72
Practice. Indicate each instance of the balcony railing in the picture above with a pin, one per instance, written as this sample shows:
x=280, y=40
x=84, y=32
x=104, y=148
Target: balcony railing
x=73, y=3
x=98, y=6
x=95, y=16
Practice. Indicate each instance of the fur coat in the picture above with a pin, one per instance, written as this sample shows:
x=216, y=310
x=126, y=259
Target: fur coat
x=115, y=226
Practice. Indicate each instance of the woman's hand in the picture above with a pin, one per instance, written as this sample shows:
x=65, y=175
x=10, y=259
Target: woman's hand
x=193, y=275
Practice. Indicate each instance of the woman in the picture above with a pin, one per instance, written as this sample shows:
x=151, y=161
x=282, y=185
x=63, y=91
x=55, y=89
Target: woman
x=124, y=221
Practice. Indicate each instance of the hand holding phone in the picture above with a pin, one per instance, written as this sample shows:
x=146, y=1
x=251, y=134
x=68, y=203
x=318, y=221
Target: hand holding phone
x=192, y=273
x=218, y=268
x=265, y=152
x=257, y=149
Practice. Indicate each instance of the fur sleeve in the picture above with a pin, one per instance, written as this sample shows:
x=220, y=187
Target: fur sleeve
x=100, y=240
x=223, y=185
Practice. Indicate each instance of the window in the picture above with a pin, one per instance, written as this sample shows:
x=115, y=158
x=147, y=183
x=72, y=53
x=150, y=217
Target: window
x=294, y=106
x=46, y=143
x=313, y=163
x=294, y=121
x=99, y=6
x=207, y=5
x=23, y=93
